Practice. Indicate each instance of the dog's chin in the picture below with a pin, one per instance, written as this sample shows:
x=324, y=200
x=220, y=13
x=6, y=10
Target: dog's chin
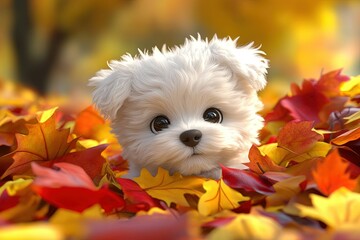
x=198, y=164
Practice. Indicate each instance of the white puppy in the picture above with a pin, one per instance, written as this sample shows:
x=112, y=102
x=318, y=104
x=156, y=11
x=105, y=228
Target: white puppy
x=188, y=109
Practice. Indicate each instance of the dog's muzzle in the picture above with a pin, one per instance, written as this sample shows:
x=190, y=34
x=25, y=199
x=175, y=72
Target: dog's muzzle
x=191, y=138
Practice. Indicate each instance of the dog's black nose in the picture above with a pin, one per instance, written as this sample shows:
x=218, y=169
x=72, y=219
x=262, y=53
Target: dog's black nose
x=191, y=138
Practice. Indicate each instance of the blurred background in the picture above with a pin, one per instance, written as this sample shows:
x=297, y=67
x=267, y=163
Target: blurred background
x=55, y=46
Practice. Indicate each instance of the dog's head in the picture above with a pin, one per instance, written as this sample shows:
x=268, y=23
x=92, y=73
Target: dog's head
x=187, y=109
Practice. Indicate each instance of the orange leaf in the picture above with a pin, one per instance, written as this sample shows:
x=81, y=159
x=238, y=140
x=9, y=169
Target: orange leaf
x=331, y=174
x=10, y=125
x=298, y=137
x=43, y=143
x=261, y=164
x=349, y=136
x=89, y=124
x=329, y=83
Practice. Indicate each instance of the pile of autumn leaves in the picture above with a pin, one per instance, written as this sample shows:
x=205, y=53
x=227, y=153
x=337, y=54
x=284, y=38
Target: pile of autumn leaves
x=61, y=175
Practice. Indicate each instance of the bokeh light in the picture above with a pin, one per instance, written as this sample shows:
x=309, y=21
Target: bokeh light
x=55, y=46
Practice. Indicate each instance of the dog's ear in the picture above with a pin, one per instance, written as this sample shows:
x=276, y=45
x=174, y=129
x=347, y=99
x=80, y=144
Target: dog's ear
x=112, y=86
x=245, y=62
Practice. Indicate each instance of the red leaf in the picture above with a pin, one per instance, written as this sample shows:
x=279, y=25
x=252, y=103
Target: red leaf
x=298, y=137
x=79, y=199
x=138, y=198
x=329, y=83
x=305, y=106
x=7, y=201
x=71, y=188
x=118, y=163
x=331, y=173
x=314, y=101
x=89, y=159
x=249, y=181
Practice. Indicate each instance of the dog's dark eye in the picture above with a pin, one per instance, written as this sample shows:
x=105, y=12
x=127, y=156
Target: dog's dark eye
x=213, y=115
x=159, y=123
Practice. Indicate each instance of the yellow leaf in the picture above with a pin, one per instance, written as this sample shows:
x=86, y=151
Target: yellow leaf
x=283, y=156
x=219, y=197
x=320, y=149
x=274, y=152
x=63, y=216
x=12, y=187
x=71, y=223
x=169, y=188
x=39, y=231
x=351, y=88
x=43, y=116
x=352, y=118
x=152, y=211
x=247, y=226
x=87, y=143
x=339, y=209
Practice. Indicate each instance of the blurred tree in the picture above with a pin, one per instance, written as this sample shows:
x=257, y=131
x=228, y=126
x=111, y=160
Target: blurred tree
x=33, y=68
x=41, y=28
x=59, y=44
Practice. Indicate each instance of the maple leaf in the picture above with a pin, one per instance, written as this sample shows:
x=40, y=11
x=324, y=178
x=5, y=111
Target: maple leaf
x=169, y=188
x=339, y=209
x=89, y=159
x=43, y=143
x=305, y=106
x=139, y=199
x=10, y=125
x=313, y=101
x=329, y=83
x=298, y=137
x=285, y=190
x=282, y=157
x=218, y=197
x=331, y=173
x=71, y=188
x=249, y=181
x=261, y=164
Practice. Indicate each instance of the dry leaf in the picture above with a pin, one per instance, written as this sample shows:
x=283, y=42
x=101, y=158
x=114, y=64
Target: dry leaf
x=169, y=188
x=218, y=197
x=339, y=209
x=331, y=173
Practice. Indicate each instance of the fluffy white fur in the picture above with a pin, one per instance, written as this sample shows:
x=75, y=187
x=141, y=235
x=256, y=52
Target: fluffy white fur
x=181, y=83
